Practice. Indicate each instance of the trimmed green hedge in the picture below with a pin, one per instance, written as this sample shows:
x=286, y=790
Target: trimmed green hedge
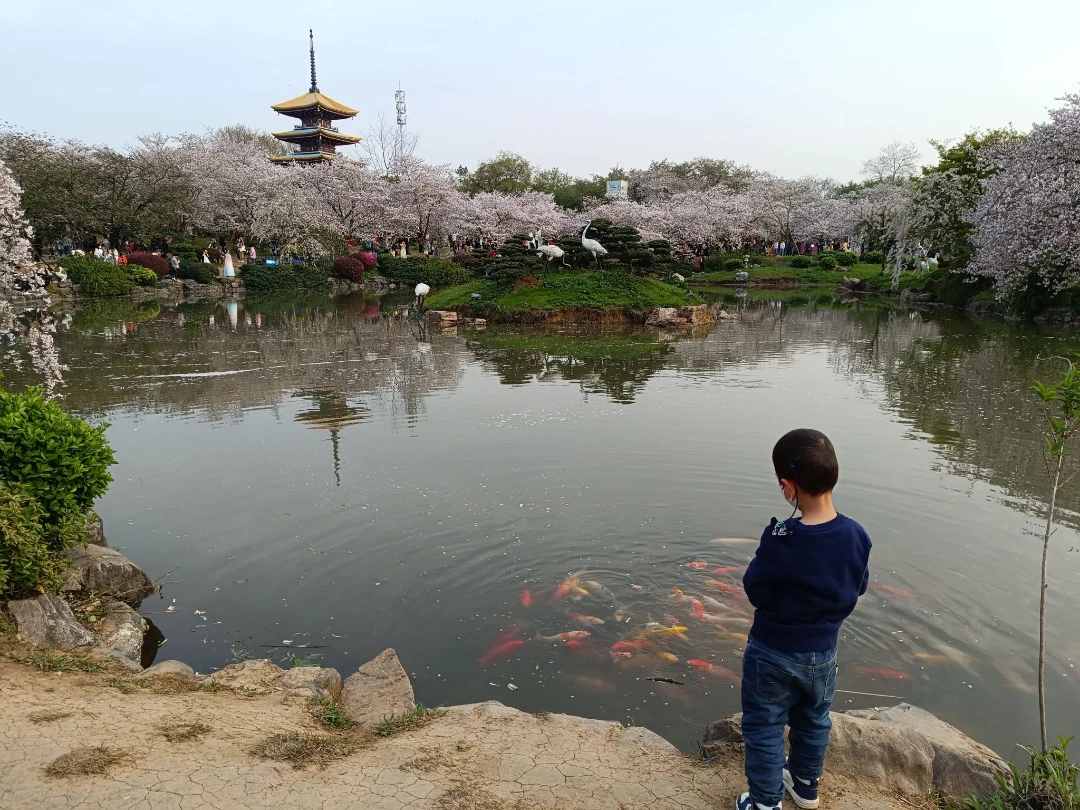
x=260, y=278
x=198, y=271
x=431, y=270
x=96, y=277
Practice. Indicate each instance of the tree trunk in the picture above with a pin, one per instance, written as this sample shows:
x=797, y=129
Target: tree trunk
x=1042, y=605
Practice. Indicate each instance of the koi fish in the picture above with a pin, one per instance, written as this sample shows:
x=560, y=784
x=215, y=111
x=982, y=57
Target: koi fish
x=499, y=650
x=673, y=619
x=588, y=682
x=724, y=587
x=596, y=588
x=712, y=669
x=677, y=591
x=621, y=654
x=699, y=609
x=931, y=658
x=728, y=569
x=700, y=565
x=630, y=644
x=708, y=600
x=740, y=636
x=570, y=585
x=621, y=617
x=888, y=590
x=637, y=587
x=526, y=598
x=570, y=635
x=733, y=540
x=669, y=657
x=581, y=618
x=880, y=672
x=573, y=643
x=674, y=630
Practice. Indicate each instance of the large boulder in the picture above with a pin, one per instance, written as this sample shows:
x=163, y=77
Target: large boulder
x=902, y=748
x=121, y=630
x=665, y=316
x=46, y=622
x=320, y=681
x=169, y=672
x=95, y=530
x=697, y=315
x=377, y=690
x=442, y=316
x=107, y=572
x=258, y=673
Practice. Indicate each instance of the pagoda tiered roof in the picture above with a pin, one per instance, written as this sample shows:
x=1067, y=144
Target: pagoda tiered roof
x=312, y=101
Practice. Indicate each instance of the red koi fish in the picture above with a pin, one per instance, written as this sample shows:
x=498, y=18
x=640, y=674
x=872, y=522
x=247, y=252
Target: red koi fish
x=621, y=654
x=673, y=619
x=699, y=609
x=630, y=644
x=712, y=669
x=888, y=590
x=880, y=672
x=499, y=650
x=526, y=598
x=582, y=619
x=571, y=586
x=700, y=565
x=573, y=643
x=724, y=587
x=728, y=569
x=572, y=635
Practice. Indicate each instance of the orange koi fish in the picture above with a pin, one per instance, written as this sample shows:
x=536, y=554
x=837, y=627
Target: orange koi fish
x=573, y=643
x=570, y=586
x=712, y=669
x=499, y=650
x=581, y=618
x=526, y=598
x=673, y=619
x=724, y=587
x=630, y=644
x=880, y=672
x=888, y=590
x=571, y=635
x=700, y=565
x=699, y=609
x=728, y=569
x=674, y=630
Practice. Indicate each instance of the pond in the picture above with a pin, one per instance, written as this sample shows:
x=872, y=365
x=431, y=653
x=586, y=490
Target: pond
x=314, y=481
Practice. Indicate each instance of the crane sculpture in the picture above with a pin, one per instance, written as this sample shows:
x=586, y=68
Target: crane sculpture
x=548, y=252
x=595, y=248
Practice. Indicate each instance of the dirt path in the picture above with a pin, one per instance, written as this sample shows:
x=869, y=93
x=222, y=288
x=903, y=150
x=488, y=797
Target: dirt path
x=482, y=757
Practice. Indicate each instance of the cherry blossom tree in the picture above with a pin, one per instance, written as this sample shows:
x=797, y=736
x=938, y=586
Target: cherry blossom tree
x=1027, y=222
x=15, y=231
x=233, y=182
x=497, y=216
x=423, y=200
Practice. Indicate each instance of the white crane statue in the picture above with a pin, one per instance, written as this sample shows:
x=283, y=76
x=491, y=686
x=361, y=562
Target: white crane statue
x=548, y=252
x=595, y=248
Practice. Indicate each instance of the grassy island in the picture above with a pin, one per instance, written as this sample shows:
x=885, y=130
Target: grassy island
x=587, y=290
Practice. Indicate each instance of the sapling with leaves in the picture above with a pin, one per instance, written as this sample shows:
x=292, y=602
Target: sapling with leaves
x=1061, y=409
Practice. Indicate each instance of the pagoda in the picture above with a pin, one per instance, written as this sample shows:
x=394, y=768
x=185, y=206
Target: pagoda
x=315, y=137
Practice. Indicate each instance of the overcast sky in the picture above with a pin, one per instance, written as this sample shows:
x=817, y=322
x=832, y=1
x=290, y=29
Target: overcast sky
x=792, y=87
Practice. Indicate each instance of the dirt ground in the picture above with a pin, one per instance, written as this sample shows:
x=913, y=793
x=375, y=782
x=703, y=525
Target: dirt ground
x=193, y=749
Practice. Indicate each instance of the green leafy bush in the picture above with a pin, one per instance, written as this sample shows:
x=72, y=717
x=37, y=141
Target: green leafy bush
x=734, y=264
x=59, y=460
x=801, y=261
x=95, y=277
x=151, y=261
x=261, y=278
x=28, y=562
x=143, y=276
x=1049, y=783
x=432, y=270
x=184, y=250
x=845, y=258
x=199, y=271
x=828, y=262
x=874, y=257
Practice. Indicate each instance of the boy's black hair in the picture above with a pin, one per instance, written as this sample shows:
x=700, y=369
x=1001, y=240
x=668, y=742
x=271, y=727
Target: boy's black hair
x=807, y=457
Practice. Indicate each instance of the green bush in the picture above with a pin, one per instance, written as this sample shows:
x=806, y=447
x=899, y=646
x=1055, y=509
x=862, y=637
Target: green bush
x=845, y=258
x=199, y=271
x=184, y=250
x=734, y=264
x=143, y=276
x=432, y=270
x=874, y=257
x=801, y=261
x=28, y=562
x=828, y=262
x=95, y=277
x=59, y=460
x=282, y=277
x=1049, y=783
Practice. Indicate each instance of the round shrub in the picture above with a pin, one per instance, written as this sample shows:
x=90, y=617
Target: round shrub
x=143, y=276
x=828, y=262
x=846, y=258
x=348, y=268
x=198, y=271
x=28, y=562
x=151, y=261
x=95, y=277
x=874, y=257
x=59, y=460
x=734, y=264
x=185, y=250
x=801, y=261
x=369, y=260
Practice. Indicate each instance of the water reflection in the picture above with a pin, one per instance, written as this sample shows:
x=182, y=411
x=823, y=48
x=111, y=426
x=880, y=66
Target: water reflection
x=391, y=485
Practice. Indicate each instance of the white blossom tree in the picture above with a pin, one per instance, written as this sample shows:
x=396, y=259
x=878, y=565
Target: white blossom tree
x=1028, y=219
x=15, y=231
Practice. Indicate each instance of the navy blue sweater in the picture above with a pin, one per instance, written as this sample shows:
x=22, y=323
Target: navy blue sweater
x=805, y=580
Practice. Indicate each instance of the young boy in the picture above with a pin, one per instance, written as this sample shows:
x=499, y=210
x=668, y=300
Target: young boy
x=804, y=580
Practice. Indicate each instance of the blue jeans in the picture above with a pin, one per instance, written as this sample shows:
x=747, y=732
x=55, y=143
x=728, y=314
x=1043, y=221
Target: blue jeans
x=778, y=689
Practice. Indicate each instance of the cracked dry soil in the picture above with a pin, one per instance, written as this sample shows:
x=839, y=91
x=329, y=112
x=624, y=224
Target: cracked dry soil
x=480, y=757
